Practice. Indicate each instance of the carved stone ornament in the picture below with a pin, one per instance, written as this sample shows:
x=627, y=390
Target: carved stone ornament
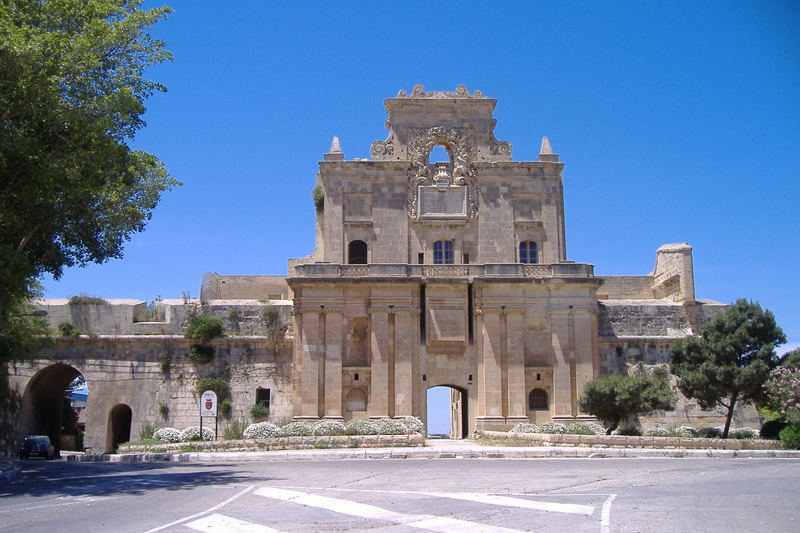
x=382, y=149
x=460, y=144
x=419, y=92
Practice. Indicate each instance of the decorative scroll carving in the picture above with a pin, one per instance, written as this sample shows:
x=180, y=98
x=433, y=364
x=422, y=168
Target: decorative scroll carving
x=419, y=92
x=460, y=144
x=382, y=149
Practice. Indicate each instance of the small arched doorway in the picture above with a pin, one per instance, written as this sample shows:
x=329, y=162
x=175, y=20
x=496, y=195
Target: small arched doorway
x=447, y=412
x=46, y=407
x=119, y=426
x=357, y=253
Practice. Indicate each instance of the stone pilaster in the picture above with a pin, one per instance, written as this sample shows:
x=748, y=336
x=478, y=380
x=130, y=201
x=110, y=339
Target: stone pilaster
x=379, y=358
x=490, y=382
x=562, y=350
x=406, y=332
x=308, y=351
x=515, y=367
x=334, y=330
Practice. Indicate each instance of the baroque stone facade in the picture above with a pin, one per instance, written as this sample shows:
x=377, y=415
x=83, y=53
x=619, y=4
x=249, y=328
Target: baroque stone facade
x=425, y=273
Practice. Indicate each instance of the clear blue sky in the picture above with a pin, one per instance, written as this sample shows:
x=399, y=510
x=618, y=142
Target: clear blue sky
x=677, y=121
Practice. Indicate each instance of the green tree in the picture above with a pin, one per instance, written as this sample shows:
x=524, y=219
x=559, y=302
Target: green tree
x=730, y=360
x=791, y=359
x=72, y=95
x=614, y=398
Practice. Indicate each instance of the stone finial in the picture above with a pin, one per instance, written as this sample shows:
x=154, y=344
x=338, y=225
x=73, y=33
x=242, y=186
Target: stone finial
x=335, y=153
x=546, y=152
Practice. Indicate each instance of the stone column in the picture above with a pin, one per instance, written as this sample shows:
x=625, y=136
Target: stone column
x=490, y=400
x=562, y=383
x=308, y=351
x=515, y=362
x=405, y=342
x=379, y=357
x=334, y=328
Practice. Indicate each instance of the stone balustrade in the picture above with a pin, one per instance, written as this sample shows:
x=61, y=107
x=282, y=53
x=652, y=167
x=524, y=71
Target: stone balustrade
x=506, y=270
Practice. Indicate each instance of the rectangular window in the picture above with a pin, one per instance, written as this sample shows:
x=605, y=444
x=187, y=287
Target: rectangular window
x=262, y=397
x=421, y=258
x=443, y=253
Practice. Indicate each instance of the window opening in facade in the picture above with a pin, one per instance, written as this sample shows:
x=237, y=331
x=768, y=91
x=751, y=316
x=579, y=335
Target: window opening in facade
x=262, y=397
x=537, y=400
x=357, y=253
x=443, y=253
x=527, y=252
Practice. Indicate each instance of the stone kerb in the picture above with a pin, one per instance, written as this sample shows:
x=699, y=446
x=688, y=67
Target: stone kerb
x=622, y=441
x=282, y=443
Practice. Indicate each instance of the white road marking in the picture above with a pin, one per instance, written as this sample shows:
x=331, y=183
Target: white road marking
x=61, y=501
x=605, y=515
x=362, y=510
x=207, y=511
x=221, y=523
x=522, y=503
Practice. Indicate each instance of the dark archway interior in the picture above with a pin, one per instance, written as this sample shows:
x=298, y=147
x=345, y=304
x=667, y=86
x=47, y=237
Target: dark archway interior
x=43, y=403
x=357, y=253
x=119, y=424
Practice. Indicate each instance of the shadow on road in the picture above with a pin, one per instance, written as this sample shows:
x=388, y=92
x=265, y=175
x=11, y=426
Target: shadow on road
x=41, y=478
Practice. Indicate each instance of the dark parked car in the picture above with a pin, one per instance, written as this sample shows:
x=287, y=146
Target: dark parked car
x=36, y=446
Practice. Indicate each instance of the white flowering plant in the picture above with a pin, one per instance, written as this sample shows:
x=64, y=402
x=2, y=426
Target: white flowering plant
x=261, y=430
x=329, y=427
x=296, y=429
x=783, y=392
x=361, y=427
x=413, y=424
x=167, y=435
x=525, y=427
x=390, y=426
x=193, y=433
x=553, y=427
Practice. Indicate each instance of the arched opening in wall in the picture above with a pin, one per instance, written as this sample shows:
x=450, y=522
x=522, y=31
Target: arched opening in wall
x=537, y=400
x=119, y=426
x=357, y=253
x=53, y=404
x=447, y=415
x=439, y=154
x=355, y=404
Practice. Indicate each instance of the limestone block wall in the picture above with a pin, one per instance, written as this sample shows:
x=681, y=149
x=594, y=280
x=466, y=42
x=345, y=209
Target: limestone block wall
x=144, y=373
x=216, y=287
x=618, y=318
x=626, y=287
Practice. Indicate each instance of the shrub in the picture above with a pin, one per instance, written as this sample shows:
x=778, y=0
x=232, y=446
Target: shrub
x=318, y=197
x=259, y=410
x=235, y=429
x=525, y=427
x=225, y=407
x=772, y=428
x=68, y=330
x=790, y=437
x=553, y=427
x=167, y=435
x=147, y=430
x=390, y=426
x=166, y=364
x=361, y=427
x=628, y=431
x=218, y=384
x=86, y=300
x=743, y=433
x=193, y=433
x=711, y=433
x=200, y=353
x=329, y=427
x=261, y=430
x=163, y=409
x=296, y=429
x=413, y=424
x=657, y=432
x=585, y=428
x=203, y=328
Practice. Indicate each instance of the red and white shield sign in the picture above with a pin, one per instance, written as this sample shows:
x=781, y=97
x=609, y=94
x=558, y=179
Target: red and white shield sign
x=209, y=403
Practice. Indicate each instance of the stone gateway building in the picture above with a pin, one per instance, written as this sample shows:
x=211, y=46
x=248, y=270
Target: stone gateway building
x=439, y=261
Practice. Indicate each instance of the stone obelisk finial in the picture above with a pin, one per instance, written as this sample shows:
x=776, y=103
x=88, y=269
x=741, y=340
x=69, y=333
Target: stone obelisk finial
x=335, y=153
x=546, y=152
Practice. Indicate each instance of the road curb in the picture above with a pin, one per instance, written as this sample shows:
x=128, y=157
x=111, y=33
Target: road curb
x=541, y=452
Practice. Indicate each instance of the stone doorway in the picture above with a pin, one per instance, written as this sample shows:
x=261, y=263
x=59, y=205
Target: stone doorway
x=46, y=410
x=447, y=409
x=119, y=426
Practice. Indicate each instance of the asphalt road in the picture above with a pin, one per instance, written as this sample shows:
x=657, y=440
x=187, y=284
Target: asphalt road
x=467, y=495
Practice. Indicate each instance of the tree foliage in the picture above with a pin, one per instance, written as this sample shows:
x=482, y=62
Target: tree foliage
x=614, y=398
x=730, y=360
x=72, y=95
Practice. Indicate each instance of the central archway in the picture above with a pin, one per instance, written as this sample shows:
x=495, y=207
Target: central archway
x=447, y=411
x=44, y=403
